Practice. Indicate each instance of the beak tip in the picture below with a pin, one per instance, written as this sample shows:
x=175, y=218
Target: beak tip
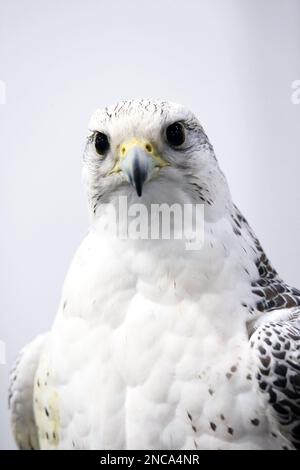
x=139, y=191
x=139, y=178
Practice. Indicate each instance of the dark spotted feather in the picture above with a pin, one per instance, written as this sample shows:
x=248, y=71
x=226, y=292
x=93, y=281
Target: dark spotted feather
x=276, y=348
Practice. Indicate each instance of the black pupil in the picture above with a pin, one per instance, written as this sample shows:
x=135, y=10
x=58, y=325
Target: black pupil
x=175, y=134
x=101, y=143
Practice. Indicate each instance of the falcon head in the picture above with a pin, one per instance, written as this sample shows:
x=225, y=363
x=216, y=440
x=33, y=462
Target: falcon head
x=152, y=152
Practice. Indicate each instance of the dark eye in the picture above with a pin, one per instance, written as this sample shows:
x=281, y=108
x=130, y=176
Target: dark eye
x=101, y=143
x=175, y=134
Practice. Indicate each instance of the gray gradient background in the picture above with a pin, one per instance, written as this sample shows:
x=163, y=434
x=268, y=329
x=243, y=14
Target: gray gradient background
x=231, y=61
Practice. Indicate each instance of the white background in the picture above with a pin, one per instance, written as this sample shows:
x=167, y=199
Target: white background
x=231, y=61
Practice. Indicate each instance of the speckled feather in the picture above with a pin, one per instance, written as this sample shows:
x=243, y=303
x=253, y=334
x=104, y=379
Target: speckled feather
x=154, y=346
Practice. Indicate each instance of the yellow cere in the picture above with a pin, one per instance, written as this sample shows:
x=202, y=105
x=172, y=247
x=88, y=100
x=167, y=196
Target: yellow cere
x=145, y=145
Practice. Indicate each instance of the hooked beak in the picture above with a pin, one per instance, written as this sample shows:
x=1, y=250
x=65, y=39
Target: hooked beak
x=139, y=162
x=138, y=167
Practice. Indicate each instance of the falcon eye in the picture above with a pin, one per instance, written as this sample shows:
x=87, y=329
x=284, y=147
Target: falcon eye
x=175, y=134
x=101, y=143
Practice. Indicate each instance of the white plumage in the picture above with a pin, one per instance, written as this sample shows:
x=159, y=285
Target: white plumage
x=154, y=346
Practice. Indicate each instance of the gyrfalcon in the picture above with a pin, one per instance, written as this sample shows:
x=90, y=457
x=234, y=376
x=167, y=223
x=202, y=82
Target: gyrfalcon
x=156, y=346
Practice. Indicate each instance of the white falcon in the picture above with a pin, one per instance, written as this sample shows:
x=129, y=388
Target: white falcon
x=155, y=346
